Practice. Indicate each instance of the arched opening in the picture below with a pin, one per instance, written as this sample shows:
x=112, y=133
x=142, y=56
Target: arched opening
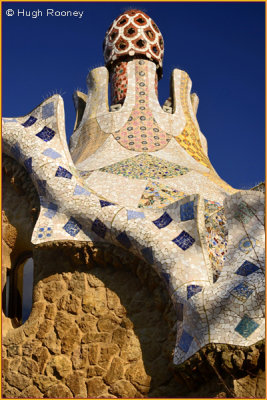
x=17, y=293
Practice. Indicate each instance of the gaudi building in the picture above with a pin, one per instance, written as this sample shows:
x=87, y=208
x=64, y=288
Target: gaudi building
x=148, y=267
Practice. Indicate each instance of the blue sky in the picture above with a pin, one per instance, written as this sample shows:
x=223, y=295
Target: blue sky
x=220, y=45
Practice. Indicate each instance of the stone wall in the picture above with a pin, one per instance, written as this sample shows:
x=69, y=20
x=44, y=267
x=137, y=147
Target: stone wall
x=92, y=332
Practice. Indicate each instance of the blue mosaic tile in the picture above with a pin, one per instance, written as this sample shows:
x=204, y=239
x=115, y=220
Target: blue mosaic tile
x=104, y=203
x=242, y=291
x=134, y=214
x=163, y=221
x=72, y=227
x=99, y=228
x=63, y=173
x=51, y=210
x=30, y=121
x=44, y=202
x=46, y=134
x=41, y=187
x=166, y=277
x=187, y=211
x=48, y=110
x=184, y=240
x=8, y=120
x=247, y=244
x=79, y=190
x=185, y=341
x=28, y=165
x=49, y=232
x=45, y=232
x=51, y=153
x=16, y=151
x=179, y=311
x=246, y=326
x=192, y=290
x=148, y=254
x=247, y=268
x=124, y=240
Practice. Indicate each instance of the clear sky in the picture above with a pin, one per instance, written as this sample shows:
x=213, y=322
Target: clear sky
x=220, y=45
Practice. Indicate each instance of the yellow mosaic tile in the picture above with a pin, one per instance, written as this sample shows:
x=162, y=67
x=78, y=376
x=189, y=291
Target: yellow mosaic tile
x=189, y=138
x=214, y=178
x=158, y=195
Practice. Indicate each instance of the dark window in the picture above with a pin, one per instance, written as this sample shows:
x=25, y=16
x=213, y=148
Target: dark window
x=17, y=293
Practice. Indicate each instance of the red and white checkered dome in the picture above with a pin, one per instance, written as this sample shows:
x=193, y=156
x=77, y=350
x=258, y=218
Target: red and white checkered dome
x=133, y=33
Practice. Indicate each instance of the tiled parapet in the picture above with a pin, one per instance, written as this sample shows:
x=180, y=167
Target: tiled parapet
x=170, y=236
x=172, y=239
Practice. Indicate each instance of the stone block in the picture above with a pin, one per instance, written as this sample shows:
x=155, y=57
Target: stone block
x=78, y=284
x=59, y=391
x=14, y=337
x=69, y=303
x=31, y=392
x=131, y=350
x=59, y=366
x=94, y=282
x=96, y=387
x=29, y=347
x=52, y=343
x=95, y=370
x=63, y=322
x=114, y=303
x=50, y=311
x=28, y=367
x=119, y=336
x=41, y=356
x=9, y=391
x=76, y=384
x=53, y=290
x=44, y=329
x=107, y=323
x=107, y=352
x=137, y=375
x=94, y=301
x=18, y=380
x=87, y=323
x=93, y=353
x=103, y=337
x=5, y=365
x=44, y=382
x=79, y=357
x=115, y=371
x=14, y=350
x=69, y=341
x=14, y=363
x=123, y=389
